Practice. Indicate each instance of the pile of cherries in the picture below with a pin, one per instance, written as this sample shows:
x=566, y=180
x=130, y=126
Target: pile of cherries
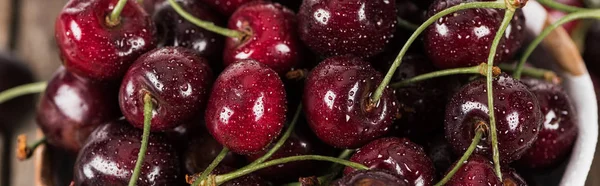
x=253, y=92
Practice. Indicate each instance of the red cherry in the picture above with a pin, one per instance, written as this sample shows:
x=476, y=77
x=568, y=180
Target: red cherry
x=247, y=107
x=371, y=178
x=271, y=38
x=336, y=99
x=90, y=47
x=477, y=171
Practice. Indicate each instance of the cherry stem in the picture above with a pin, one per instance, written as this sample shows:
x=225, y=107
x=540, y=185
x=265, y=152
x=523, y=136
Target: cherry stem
x=210, y=26
x=25, y=151
x=478, y=133
x=212, y=165
x=568, y=18
x=499, y=4
x=406, y=24
x=333, y=171
x=145, y=136
x=479, y=69
x=297, y=74
x=538, y=73
x=220, y=179
x=282, y=139
x=508, y=15
x=115, y=16
x=22, y=90
x=561, y=7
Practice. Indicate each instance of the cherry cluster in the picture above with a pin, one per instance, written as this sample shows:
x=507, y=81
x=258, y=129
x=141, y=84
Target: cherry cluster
x=253, y=92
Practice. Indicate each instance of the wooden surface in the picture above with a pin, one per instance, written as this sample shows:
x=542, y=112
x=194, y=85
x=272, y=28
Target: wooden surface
x=35, y=45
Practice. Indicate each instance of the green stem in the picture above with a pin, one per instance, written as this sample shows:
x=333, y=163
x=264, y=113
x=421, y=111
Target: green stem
x=247, y=170
x=561, y=7
x=479, y=69
x=499, y=4
x=282, y=140
x=508, y=15
x=146, y=134
x=333, y=171
x=25, y=151
x=568, y=18
x=462, y=159
x=22, y=90
x=205, y=24
x=406, y=24
x=115, y=15
x=212, y=166
x=538, y=73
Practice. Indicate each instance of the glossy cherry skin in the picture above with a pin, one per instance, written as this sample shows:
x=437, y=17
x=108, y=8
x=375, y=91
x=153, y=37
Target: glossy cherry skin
x=13, y=72
x=202, y=149
x=399, y=156
x=590, y=56
x=336, y=96
x=73, y=106
x=174, y=30
x=463, y=38
x=477, y=171
x=371, y=178
x=110, y=154
x=517, y=112
x=247, y=107
x=272, y=36
x=338, y=27
x=89, y=47
x=559, y=128
x=178, y=81
x=226, y=7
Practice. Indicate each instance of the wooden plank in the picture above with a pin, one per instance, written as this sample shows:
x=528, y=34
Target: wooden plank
x=5, y=6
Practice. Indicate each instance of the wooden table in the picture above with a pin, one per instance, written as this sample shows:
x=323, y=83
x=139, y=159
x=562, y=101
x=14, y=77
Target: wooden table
x=33, y=41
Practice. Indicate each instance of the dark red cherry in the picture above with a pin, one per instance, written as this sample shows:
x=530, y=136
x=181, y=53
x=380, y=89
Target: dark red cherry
x=202, y=149
x=591, y=56
x=463, y=38
x=559, y=127
x=371, y=178
x=271, y=39
x=339, y=27
x=247, y=107
x=517, y=112
x=110, y=154
x=226, y=7
x=399, y=156
x=90, y=47
x=477, y=171
x=178, y=81
x=73, y=106
x=13, y=72
x=174, y=30
x=337, y=95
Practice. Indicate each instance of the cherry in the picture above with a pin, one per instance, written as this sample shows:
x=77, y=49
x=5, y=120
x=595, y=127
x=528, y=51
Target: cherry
x=246, y=180
x=93, y=46
x=110, y=154
x=13, y=73
x=226, y=7
x=73, y=106
x=173, y=30
x=271, y=36
x=477, y=171
x=559, y=128
x=463, y=39
x=247, y=107
x=592, y=58
x=337, y=103
x=178, y=81
x=339, y=27
x=371, y=178
x=202, y=150
x=398, y=155
x=517, y=113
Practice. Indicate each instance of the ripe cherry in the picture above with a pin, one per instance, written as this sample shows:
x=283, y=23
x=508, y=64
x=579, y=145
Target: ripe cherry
x=226, y=7
x=372, y=178
x=476, y=171
x=559, y=128
x=247, y=107
x=517, y=113
x=339, y=27
x=202, y=150
x=270, y=36
x=463, y=38
x=399, y=156
x=73, y=106
x=174, y=30
x=110, y=154
x=93, y=46
x=178, y=81
x=13, y=73
x=337, y=103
